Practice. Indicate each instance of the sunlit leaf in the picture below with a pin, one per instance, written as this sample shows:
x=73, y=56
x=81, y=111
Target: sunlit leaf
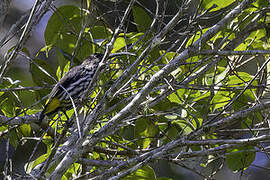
x=218, y=4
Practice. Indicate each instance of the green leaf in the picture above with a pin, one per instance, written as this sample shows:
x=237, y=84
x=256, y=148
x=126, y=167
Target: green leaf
x=3, y=128
x=39, y=77
x=66, y=69
x=71, y=171
x=167, y=57
x=195, y=37
x=243, y=100
x=63, y=19
x=25, y=129
x=141, y=18
x=1, y=93
x=164, y=105
x=100, y=32
x=220, y=99
x=217, y=3
x=240, y=79
x=257, y=35
x=58, y=73
x=64, y=57
x=7, y=107
x=145, y=130
x=175, y=97
x=240, y=158
x=172, y=133
x=185, y=126
x=261, y=3
x=127, y=132
x=62, y=30
x=127, y=39
x=41, y=158
x=119, y=44
x=202, y=96
x=145, y=173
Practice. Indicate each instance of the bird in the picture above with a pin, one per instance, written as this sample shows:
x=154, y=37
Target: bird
x=71, y=87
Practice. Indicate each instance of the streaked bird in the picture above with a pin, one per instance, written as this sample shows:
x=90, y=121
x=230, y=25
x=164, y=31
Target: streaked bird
x=73, y=86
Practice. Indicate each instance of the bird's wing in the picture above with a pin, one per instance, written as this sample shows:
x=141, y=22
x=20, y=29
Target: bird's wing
x=69, y=78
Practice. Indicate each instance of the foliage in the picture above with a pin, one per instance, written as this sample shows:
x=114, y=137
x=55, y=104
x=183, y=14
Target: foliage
x=196, y=89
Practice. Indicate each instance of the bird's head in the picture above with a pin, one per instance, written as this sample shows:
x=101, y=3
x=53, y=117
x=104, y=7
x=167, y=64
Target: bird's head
x=92, y=60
